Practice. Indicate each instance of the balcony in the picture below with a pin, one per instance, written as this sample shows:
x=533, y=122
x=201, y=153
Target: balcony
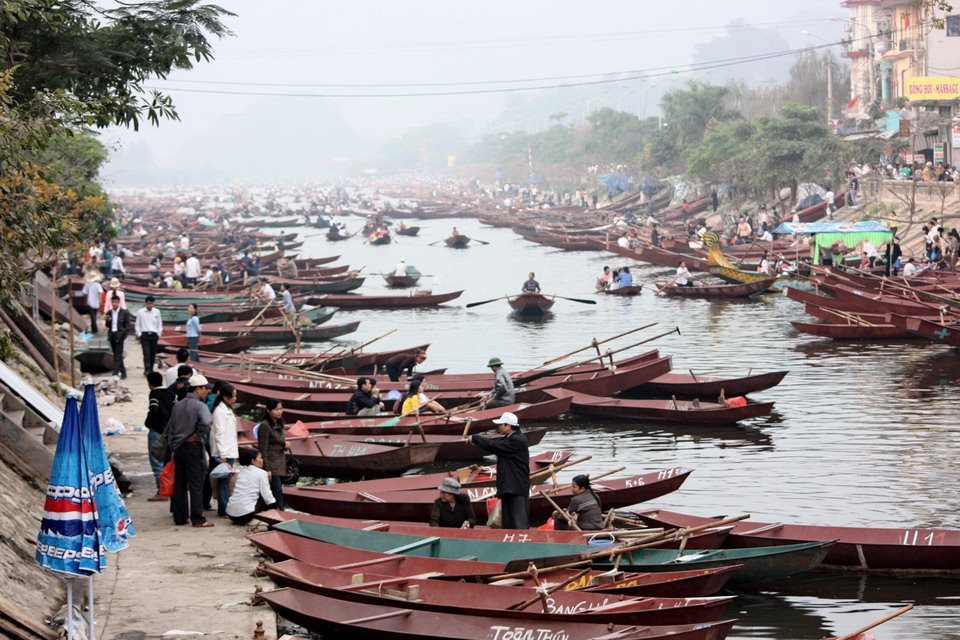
x=905, y=47
x=855, y=53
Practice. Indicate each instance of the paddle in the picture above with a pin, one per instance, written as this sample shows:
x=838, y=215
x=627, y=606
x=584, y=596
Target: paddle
x=437, y=242
x=876, y=623
x=580, y=300
x=480, y=241
x=477, y=304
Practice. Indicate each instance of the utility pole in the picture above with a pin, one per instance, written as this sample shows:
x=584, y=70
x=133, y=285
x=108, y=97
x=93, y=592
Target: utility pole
x=829, y=92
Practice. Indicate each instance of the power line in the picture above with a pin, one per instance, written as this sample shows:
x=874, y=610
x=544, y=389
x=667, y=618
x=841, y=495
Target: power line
x=623, y=76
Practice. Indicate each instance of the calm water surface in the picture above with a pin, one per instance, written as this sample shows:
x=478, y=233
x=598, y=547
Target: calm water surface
x=862, y=434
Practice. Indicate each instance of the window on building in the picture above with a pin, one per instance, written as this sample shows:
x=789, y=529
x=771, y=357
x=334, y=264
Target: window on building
x=953, y=26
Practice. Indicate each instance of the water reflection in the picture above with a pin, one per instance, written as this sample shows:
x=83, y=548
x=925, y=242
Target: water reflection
x=937, y=591
x=767, y=615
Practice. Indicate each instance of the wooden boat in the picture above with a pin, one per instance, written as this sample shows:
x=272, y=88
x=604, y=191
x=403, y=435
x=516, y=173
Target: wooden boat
x=653, y=255
x=341, y=618
x=865, y=548
x=280, y=546
x=310, y=263
x=530, y=303
x=231, y=344
x=95, y=360
x=337, y=237
x=676, y=411
x=836, y=331
x=713, y=291
x=856, y=305
x=374, y=240
x=683, y=384
x=350, y=460
x=633, y=290
x=494, y=601
x=946, y=332
x=552, y=403
x=385, y=302
x=709, y=539
x=409, y=279
x=565, y=242
x=275, y=333
x=212, y=315
x=479, y=476
x=457, y=242
x=414, y=505
x=318, y=286
x=759, y=564
x=407, y=231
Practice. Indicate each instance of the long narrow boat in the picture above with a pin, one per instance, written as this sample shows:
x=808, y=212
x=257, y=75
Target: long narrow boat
x=349, y=460
x=836, y=331
x=384, y=302
x=275, y=333
x=683, y=384
x=495, y=601
x=653, y=255
x=946, y=332
x=860, y=304
x=530, y=303
x=341, y=618
x=407, y=231
x=232, y=344
x=675, y=411
x=759, y=564
x=707, y=539
x=415, y=505
x=866, y=548
x=280, y=546
x=712, y=291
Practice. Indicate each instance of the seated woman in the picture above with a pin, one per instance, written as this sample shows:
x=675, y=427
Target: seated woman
x=415, y=402
x=251, y=492
x=585, y=507
x=452, y=508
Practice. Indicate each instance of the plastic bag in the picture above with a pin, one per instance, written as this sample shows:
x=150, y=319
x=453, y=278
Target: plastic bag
x=738, y=401
x=166, y=481
x=222, y=470
x=298, y=430
x=494, y=508
x=113, y=427
x=547, y=526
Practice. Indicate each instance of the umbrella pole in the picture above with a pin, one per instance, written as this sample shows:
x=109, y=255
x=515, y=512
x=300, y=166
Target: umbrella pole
x=90, y=614
x=69, y=616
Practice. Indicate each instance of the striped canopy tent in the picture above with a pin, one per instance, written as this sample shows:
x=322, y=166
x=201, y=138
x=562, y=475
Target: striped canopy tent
x=849, y=234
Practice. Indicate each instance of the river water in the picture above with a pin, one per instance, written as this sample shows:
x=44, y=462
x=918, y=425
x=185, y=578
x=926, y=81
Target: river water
x=861, y=435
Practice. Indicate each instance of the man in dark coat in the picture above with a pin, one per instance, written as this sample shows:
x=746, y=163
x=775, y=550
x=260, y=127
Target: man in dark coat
x=365, y=401
x=513, y=470
x=405, y=362
x=118, y=327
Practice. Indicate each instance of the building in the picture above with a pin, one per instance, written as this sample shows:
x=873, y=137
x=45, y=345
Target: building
x=897, y=54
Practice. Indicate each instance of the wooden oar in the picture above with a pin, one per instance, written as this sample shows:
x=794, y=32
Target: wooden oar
x=596, y=342
x=477, y=304
x=542, y=595
x=480, y=241
x=876, y=623
x=580, y=300
x=566, y=516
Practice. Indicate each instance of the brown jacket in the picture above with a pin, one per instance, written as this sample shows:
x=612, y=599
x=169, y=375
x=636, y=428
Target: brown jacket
x=271, y=442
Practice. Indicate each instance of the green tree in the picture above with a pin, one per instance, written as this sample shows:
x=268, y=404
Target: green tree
x=724, y=155
x=688, y=112
x=616, y=136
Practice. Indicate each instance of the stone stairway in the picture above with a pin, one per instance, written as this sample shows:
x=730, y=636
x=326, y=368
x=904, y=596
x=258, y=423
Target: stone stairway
x=28, y=426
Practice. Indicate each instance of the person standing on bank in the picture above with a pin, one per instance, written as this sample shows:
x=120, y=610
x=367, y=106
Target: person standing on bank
x=158, y=413
x=272, y=444
x=502, y=393
x=149, y=326
x=223, y=442
x=193, y=332
x=118, y=327
x=585, y=507
x=452, y=508
x=93, y=291
x=513, y=470
x=188, y=426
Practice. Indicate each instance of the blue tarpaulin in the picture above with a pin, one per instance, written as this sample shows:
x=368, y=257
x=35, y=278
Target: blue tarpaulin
x=614, y=181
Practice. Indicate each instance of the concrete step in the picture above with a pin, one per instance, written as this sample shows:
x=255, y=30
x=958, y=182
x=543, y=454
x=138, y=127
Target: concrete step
x=15, y=415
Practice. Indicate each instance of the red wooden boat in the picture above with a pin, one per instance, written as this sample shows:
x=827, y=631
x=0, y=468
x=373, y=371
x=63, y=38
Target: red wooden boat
x=947, y=332
x=495, y=601
x=400, y=282
x=318, y=286
x=708, y=539
x=817, y=211
x=741, y=290
x=856, y=305
x=866, y=548
x=601, y=383
x=565, y=242
x=232, y=344
x=851, y=331
x=549, y=404
x=633, y=290
x=530, y=303
x=336, y=617
x=872, y=302
x=384, y=302
x=676, y=411
x=688, y=384
x=350, y=460
x=310, y=263
x=349, y=360
x=407, y=231
x=415, y=505
x=653, y=255
x=279, y=546
x=274, y=333
x=457, y=242
x=476, y=476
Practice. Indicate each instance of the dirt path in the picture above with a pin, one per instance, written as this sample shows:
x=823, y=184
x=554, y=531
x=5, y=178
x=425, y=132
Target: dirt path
x=197, y=581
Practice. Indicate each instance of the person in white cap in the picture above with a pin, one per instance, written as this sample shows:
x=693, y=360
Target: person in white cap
x=188, y=425
x=513, y=470
x=452, y=508
x=401, y=269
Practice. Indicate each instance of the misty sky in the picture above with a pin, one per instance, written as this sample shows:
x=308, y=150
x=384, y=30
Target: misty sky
x=384, y=42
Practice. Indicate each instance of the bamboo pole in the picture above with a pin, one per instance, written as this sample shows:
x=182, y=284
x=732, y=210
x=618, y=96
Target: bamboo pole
x=876, y=623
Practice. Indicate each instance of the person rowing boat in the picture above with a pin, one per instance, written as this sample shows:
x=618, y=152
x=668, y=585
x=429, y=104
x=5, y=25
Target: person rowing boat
x=530, y=285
